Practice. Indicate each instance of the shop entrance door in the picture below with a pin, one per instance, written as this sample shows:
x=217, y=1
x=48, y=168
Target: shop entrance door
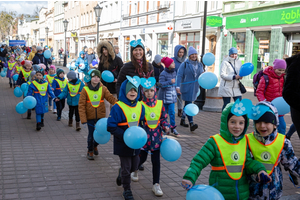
x=212, y=49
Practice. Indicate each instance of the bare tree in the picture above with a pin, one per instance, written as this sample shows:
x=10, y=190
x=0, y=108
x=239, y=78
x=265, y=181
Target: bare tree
x=6, y=21
x=36, y=11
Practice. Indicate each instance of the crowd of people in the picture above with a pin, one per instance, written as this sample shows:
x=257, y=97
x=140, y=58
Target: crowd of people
x=236, y=173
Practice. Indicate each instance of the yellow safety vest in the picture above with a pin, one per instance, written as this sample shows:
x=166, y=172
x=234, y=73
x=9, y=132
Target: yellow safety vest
x=62, y=84
x=94, y=96
x=132, y=114
x=18, y=69
x=25, y=74
x=268, y=154
x=73, y=89
x=152, y=114
x=11, y=65
x=50, y=79
x=42, y=88
x=233, y=156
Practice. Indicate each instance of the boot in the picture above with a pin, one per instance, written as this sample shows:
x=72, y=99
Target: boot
x=14, y=85
x=28, y=115
x=193, y=126
x=38, y=126
x=10, y=85
x=119, y=179
x=90, y=155
x=182, y=123
x=96, y=152
x=42, y=123
x=78, y=127
x=179, y=112
x=70, y=122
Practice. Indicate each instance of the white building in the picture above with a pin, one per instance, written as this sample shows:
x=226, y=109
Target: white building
x=24, y=30
x=49, y=23
x=58, y=35
x=42, y=25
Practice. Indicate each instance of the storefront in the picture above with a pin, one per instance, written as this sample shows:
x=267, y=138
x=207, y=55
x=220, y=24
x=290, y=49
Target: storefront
x=162, y=44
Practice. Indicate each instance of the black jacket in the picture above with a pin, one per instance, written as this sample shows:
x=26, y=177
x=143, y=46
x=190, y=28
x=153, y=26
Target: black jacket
x=37, y=59
x=157, y=70
x=3, y=53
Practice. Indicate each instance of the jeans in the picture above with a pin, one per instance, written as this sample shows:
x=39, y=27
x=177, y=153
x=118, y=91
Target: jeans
x=50, y=103
x=13, y=81
x=190, y=118
x=170, y=109
x=179, y=102
x=73, y=109
x=155, y=160
x=282, y=125
x=90, y=140
x=296, y=119
x=39, y=118
x=291, y=131
x=128, y=164
x=60, y=106
x=226, y=100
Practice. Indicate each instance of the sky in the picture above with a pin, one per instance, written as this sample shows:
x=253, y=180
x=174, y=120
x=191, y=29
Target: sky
x=22, y=7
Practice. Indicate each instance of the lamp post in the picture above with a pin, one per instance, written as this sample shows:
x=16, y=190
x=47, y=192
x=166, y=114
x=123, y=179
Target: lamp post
x=47, y=30
x=27, y=38
x=66, y=27
x=98, y=11
x=35, y=31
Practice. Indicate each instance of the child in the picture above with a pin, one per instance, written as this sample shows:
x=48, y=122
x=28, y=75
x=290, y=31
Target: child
x=50, y=77
x=228, y=154
x=120, y=116
x=154, y=133
x=58, y=84
x=91, y=108
x=11, y=70
x=168, y=93
x=79, y=62
x=72, y=92
x=270, y=148
x=19, y=64
x=39, y=90
x=275, y=76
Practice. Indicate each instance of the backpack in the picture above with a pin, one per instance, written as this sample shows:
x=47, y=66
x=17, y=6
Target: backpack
x=256, y=79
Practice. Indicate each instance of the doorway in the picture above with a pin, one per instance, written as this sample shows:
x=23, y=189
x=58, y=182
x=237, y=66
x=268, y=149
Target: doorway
x=212, y=49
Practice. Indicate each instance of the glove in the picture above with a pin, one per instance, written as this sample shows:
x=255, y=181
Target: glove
x=263, y=178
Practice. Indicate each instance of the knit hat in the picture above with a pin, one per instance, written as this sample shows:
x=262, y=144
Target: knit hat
x=157, y=59
x=32, y=73
x=152, y=88
x=95, y=73
x=59, y=71
x=38, y=48
x=192, y=50
x=52, y=67
x=167, y=61
x=267, y=117
x=36, y=67
x=41, y=71
x=71, y=75
x=129, y=86
x=232, y=50
x=279, y=64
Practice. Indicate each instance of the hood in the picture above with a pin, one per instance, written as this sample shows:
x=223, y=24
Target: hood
x=229, y=59
x=122, y=95
x=77, y=82
x=177, y=48
x=109, y=48
x=155, y=65
x=149, y=102
x=224, y=127
x=270, y=72
x=80, y=53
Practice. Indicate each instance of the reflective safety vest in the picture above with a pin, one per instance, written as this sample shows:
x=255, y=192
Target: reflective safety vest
x=132, y=114
x=18, y=69
x=94, y=96
x=50, y=79
x=152, y=114
x=73, y=89
x=42, y=88
x=268, y=154
x=62, y=84
x=233, y=156
x=11, y=65
x=25, y=74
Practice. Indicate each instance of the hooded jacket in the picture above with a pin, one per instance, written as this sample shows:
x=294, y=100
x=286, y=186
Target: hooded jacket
x=178, y=60
x=117, y=116
x=37, y=59
x=90, y=58
x=158, y=69
x=167, y=91
x=79, y=59
x=71, y=101
x=210, y=154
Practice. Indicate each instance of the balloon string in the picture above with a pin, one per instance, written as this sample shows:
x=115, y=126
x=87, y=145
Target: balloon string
x=181, y=83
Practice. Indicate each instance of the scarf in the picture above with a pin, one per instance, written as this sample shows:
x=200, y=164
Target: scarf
x=74, y=81
x=149, y=102
x=96, y=88
x=195, y=66
x=140, y=70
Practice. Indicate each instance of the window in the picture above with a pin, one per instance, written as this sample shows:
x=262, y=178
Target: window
x=87, y=19
x=91, y=18
x=197, y=6
x=133, y=7
x=152, y=5
x=190, y=39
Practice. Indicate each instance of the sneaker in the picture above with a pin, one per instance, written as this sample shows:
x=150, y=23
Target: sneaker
x=134, y=176
x=54, y=111
x=58, y=119
x=90, y=155
x=175, y=132
x=157, y=190
x=96, y=152
x=193, y=126
x=141, y=168
x=50, y=108
x=119, y=178
x=128, y=195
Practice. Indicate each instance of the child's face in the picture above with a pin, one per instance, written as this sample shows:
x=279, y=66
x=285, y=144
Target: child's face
x=279, y=72
x=69, y=79
x=11, y=58
x=149, y=93
x=61, y=75
x=264, y=128
x=95, y=80
x=236, y=125
x=27, y=67
x=132, y=94
x=51, y=71
x=39, y=76
x=172, y=66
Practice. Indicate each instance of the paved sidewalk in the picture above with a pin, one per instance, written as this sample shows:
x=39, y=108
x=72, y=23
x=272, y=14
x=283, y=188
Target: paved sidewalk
x=52, y=164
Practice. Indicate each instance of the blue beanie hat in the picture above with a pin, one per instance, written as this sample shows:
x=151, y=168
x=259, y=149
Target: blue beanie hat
x=233, y=50
x=192, y=50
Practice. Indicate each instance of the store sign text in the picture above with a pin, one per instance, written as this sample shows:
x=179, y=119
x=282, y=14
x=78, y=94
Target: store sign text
x=186, y=24
x=214, y=21
x=290, y=16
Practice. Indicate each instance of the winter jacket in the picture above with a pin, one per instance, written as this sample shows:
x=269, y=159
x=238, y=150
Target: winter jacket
x=274, y=88
x=31, y=55
x=210, y=154
x=167, y=92
x=37, y=59
x=291, y=89
x=229, y=87
x=41, y=101
x=187, y=80
x=178, y=60
x=55, y=86
x=87, y=111
x=117, y=116
x=80, y=61
x=157, y=70
x=3, y=53
x=71, y=101
x=90, y=58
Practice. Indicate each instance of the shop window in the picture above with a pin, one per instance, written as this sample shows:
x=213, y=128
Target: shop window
x=264, y=40
x=239, y=43
x=296, y=49
x=162, y=47
x=190, y=39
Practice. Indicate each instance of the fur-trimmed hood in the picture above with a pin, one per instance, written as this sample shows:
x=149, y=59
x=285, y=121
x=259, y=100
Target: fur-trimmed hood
x=108, y=46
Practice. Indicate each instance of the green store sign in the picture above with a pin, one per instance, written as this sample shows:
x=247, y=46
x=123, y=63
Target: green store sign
x=274, y=17
x=214, y=21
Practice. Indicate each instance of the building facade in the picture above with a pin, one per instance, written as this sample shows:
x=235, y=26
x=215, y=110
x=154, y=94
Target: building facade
x=58, y=30
x=42, y=25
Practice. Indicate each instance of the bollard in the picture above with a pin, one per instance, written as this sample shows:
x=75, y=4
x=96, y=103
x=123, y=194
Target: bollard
x=213, y=102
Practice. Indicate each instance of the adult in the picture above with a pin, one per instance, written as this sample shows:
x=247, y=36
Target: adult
x=90, y=57
x=229, y=85
x=3, y=53
x=117, y=51
x=149, y=54
x=39, y=58
x=85, y=50
x=138, y=66
x=109, y=61
x=187, y=83
x=180, y=54
x=158, y=68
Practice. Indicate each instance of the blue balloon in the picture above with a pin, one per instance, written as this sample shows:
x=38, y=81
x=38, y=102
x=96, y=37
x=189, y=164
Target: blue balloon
x=53, y=58
x=94, y=62
x=18, y=92
x=24, y=87
x=281, y=105
x=208, y=80
x=87, y=78
x=45, y=76
x=206, y=192
x=47, y=54
x=135, y=137
x=107, y=76
x=170, y=150
x=246, y=69
x=198, y=93
x=29, y=102
x=208, y=59
x=20, y=108
x=101, y=138
x=15, y=77
x=101, y=126
x=191, y=109
x=3, y=74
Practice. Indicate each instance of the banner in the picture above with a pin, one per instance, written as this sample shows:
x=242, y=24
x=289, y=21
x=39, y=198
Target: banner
x=17, y=43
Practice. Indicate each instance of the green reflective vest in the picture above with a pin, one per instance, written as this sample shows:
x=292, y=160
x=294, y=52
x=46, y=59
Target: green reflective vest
x=152, y=114
x=42, y=88
x=11, y=65
x=94, y=96
x=50, y=79
x=25, y=74
x=62, y=84
x=73, y=89
x=132, y=114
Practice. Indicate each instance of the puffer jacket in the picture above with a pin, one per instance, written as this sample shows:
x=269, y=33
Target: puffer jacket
x=167, y=92
x=71, y=101
x=210, y=154
x=229, y=87
x=274, y=88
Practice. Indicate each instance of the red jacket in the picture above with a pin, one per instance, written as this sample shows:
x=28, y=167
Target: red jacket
x=274, y=88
